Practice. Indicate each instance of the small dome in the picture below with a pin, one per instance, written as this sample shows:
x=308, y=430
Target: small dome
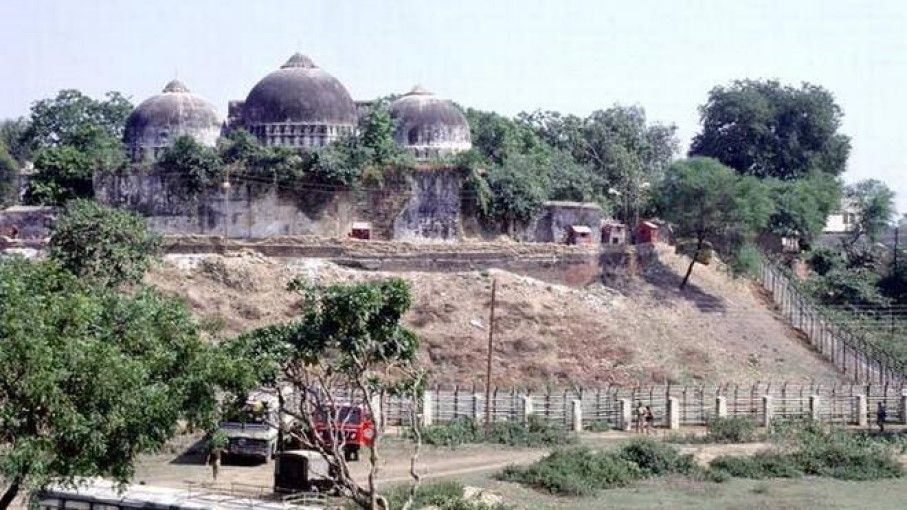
x=161, y=119
x=428, y=125
x=299, y=92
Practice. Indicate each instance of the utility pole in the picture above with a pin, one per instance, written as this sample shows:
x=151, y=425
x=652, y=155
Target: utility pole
x=897, y=231
x=494, y=285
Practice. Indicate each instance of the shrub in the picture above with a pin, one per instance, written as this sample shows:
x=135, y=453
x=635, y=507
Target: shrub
x=577, y=471
x=656, y=458
x=736, y=429
x=446, y=495
x=598, y=426
x=761, y=465
x=460, y=431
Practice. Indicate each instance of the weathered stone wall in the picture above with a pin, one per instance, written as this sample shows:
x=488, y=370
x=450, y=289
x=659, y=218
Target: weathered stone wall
x=27, y=222
x=420, y=206
x=552, y=224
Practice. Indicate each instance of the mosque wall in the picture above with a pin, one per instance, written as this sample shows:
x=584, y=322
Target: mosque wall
x=424, y=205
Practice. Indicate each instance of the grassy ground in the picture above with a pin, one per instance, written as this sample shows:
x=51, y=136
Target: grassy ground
x=679, y=494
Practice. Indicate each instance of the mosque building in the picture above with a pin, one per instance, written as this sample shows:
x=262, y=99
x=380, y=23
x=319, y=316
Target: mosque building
x=298, y=105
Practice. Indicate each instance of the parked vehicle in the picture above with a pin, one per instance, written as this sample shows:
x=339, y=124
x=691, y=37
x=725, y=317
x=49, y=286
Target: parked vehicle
x=253, y=430
x=298, y=471
x=352, y=425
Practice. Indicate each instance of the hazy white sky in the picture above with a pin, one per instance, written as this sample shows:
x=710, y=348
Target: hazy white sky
x=507, y=56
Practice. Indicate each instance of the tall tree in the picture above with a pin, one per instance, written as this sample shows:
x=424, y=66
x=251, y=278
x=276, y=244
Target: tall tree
x=60, y=120
x=766, y=129
x=803, y=205
x=90, y=378
x=348, y=340
x=12, y=133
x=198, y=167
x=873, y=202
x=708, y=201
x=8, y=177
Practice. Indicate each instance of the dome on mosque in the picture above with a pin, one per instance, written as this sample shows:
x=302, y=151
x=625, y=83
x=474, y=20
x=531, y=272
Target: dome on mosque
x=428, y=125
x=299, y=93
x=161, y=119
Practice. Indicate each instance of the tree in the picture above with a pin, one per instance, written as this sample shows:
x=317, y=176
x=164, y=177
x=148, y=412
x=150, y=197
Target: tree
x=517, y=189
x=62, y=173
x=105, y=245
x=60, y=120
x=12, y=136
x=765, y=129
x=873, y=202
x=709, y=202
x=348, y=340
x=8, y=178
x=90, y=378
x=198, y=167
x=803, y=205
x=377, y=134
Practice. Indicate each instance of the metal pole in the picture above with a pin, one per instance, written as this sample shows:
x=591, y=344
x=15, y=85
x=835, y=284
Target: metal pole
x=494, y=286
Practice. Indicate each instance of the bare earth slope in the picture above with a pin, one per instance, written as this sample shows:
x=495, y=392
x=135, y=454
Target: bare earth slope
x=639, y=330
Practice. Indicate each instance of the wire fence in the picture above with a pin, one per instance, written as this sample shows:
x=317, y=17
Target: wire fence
x=697, y=405
x=850, y=351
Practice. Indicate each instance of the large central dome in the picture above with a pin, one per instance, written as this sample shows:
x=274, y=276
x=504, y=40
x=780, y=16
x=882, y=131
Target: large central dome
x=298, y=103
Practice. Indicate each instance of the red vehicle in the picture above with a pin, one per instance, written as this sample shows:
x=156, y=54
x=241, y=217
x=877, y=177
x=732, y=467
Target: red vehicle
x=353, y=425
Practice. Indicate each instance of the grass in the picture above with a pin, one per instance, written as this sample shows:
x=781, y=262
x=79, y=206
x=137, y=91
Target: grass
x=443, y=495
x=735, y=429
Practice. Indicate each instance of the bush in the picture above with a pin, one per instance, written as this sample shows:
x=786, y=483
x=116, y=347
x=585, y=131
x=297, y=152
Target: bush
x=460, y=431
x=577, y=471
x=447, y=495
x=736, y=429
x=761, y=465
x=103, y=244
x=656, y=458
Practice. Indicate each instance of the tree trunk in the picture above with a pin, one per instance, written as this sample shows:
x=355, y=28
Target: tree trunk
x=686, y=277
x=11, y=492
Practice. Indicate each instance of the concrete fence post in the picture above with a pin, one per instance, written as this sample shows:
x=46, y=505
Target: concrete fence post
x=904, y=409
x=427, y=410
x=626, y=414
x=377, y=412
x=477, y=414
x=672, y=418
x=862, y=411
x=814, y=406
x=527, y=408
x=767, y=410
x=577, y=408
x=721, y=406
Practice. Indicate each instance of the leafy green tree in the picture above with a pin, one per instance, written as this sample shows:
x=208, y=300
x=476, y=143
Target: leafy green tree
x=348, y=337
x=61, y=120
x=803, y=205
x=855, y=287
x=766, y=129
x=105, y=245
x=708, y=201
x=377, y=134
x=199, y=167
x=12, y=136
x=62, y=173
x=874, y=205
x=517, y=190
x=91, y=378
x=8, y=177
x=495, y=136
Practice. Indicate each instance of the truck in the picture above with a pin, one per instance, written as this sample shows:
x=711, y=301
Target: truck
x=353, y=425
x=253, y=429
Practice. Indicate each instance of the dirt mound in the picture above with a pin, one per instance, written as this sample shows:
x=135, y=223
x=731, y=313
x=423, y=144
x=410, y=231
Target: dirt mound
x=636, y=330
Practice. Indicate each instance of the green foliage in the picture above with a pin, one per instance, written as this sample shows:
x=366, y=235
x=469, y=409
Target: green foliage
x=92, y=378
x=12, y=137
x=893, y=285
x=874, y=204
x=803, y=205
x=536, y=432
x=746, y=260
x=105, y=245
x=823, y=260
x=197, y=166
x=765, y=129
x=577, y=471
x=377, y=134
x=734, y=429
x=758, y=466
x=62, y=174
x=445, y=495
x=656, y=458
x=846, y=286
x=517, y=190
x=8, y=172
x=63, y=119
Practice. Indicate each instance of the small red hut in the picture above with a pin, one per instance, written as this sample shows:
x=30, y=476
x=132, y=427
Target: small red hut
x=646, y=232
x=579, y=234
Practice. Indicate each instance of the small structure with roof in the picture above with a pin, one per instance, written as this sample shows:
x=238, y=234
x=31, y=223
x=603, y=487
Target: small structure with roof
x=614, y=232
x=361, y=230
x=647, y=232
x=580, y=234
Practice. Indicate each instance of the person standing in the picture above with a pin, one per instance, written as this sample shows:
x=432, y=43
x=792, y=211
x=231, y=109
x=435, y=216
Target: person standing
x=881, y=416
x=640, y=417
x=214, y=457
x=650, y=420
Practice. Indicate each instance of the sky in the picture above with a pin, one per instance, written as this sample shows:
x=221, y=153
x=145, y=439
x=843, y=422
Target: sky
x=501, y=55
